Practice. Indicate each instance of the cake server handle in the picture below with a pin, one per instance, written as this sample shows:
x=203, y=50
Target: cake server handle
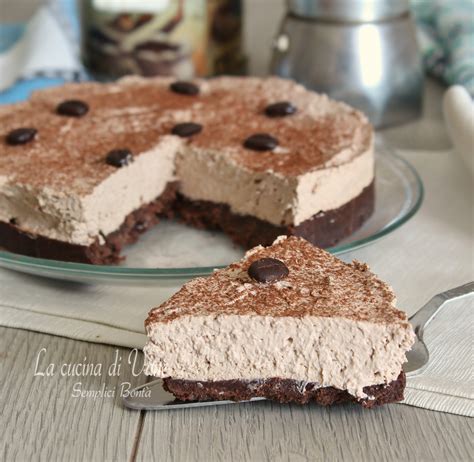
x=152, y=396
x=418, y=357
x=427, y=313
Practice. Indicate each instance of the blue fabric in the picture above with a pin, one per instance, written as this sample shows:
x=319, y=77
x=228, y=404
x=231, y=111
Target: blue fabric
x=66, y=10
x=9, y=34
x=21, y=90
x=69, y=10
x=446, y=36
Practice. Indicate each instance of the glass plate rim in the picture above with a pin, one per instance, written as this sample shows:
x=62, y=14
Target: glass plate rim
x=117, y=272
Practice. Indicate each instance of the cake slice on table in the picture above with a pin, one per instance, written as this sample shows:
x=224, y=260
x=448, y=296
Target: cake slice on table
x=289, y=322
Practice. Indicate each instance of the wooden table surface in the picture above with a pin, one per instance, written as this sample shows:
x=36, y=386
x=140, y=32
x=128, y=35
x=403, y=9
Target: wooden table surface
x=41, y=420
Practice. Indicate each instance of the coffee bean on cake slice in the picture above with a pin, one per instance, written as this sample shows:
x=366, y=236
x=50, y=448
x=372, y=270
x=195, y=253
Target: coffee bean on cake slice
x=186, y=129
x=21, y=136
x=119, y=157
x=73, y=108
x=280, y=109
x=261, y=142
x=268, y=270
x=184, y=88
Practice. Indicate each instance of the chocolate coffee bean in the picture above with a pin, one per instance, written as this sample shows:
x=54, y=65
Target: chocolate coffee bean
x=21, y=136
x=72, y=108
x=184, y=88
x=187, y=129
x=268, y=270
x=119, y=157
x=261, y=142
x=280, y=109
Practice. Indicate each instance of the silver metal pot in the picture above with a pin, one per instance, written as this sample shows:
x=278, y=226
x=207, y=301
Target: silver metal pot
x=363, y=52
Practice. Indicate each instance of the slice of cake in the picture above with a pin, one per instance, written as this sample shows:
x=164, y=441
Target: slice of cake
x=289, y=322
x=85, y=168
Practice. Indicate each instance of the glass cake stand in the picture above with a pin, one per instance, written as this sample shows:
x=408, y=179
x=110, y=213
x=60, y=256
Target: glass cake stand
x=172, y=251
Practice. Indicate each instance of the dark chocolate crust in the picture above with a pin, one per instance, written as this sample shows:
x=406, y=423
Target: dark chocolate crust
x=324, y=229
x=13, y=239
x=283, y=391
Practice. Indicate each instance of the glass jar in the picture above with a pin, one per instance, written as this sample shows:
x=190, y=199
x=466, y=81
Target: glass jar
x=181, y=38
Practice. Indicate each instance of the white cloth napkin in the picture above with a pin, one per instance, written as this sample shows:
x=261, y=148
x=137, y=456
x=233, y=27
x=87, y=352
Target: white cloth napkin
x=43, y=48
x=447, y=383
x=429, y=254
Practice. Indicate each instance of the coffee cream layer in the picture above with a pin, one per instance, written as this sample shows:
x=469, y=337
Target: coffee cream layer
x=271, y=196
x=327, y=322
x=80, y=219
x=333, y=352
x=59, y=186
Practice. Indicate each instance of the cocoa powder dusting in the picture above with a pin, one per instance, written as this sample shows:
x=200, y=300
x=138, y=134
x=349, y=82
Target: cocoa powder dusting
x=318, y=284
x=68, y=153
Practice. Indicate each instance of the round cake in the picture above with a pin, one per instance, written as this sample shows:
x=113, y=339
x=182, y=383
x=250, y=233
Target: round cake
x=86, y=168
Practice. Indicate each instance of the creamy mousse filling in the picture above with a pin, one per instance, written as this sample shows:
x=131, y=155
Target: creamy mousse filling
x=330, y=351
x=269, y=196
x=83, y=220
x=203, y=174
x=330, y=188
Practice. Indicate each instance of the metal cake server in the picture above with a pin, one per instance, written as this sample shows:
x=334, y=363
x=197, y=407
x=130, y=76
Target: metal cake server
x=418, y=356
x=151, y=396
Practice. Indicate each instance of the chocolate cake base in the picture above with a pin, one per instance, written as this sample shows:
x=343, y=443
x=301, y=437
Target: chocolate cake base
x=283, y=391
x=13, y=239
x=324, y=229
